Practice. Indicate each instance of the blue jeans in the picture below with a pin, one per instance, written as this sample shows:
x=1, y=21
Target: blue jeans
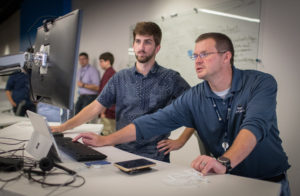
x=285, y=188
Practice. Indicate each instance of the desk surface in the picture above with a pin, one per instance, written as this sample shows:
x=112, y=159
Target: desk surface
x=108, y=180
x=7, y=119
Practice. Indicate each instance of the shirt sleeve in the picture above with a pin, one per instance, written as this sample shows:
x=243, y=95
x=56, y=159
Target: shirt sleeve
x=180, y=86
x=106, y=76
x=165, y=120
x=95, y=76
x=107, y=96
x=10, y=84
x=261, y=109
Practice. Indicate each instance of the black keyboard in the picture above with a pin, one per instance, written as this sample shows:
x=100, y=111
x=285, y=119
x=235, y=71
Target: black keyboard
x=77, y=150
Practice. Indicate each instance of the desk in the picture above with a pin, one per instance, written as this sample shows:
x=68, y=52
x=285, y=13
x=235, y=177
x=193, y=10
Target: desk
x=108, y=180
x=6, y=119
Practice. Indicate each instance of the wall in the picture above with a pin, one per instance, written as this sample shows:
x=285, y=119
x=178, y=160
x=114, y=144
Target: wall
x=9, y=39
x=279, y=52
x=10, y=44
x=106, y=23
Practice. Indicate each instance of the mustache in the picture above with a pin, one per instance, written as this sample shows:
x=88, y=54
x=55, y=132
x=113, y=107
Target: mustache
x=141, y=51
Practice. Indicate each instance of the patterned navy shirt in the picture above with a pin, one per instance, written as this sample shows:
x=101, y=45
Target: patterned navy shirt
x=136, y=95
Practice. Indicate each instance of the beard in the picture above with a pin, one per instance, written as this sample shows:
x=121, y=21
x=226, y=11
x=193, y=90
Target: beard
x=144, y=59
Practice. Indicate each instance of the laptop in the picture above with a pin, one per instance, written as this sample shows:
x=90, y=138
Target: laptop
x=42, y=140
x=43, y=144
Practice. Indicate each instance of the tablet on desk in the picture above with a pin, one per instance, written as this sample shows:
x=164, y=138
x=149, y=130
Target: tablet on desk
x=134, y=166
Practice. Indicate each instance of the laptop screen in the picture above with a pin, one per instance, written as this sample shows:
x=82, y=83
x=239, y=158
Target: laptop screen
x=41, y=143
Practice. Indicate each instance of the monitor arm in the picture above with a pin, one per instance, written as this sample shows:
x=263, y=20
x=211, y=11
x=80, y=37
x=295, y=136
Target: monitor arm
x=10, y=64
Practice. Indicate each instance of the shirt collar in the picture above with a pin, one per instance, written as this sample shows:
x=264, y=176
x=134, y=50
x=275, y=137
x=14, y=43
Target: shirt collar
x=109, y=69
x=236, y=84
x=85, y=67
x=153, y=70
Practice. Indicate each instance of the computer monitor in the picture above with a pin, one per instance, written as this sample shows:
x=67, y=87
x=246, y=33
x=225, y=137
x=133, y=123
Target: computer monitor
x=53, y=80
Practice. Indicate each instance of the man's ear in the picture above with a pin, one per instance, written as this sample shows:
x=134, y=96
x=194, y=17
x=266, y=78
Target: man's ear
x=157, y=49
x=228, y=56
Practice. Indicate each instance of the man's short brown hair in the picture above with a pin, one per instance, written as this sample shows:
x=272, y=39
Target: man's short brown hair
x=84, y=54
x=148, y=28
x=223, y=42
x=107, y=56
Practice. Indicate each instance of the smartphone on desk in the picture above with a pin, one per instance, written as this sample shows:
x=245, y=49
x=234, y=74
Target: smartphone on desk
x=135, y=166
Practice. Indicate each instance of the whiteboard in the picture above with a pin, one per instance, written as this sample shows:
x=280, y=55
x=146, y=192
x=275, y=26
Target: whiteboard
x=181, y=30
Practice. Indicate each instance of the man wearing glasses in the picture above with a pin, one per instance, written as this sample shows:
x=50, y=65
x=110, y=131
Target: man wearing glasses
x=233, y=111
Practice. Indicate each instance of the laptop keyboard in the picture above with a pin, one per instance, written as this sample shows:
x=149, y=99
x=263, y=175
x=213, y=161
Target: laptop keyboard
x=77, y=150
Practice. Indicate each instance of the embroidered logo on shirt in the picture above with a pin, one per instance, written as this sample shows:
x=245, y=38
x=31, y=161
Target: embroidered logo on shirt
x=239, y=109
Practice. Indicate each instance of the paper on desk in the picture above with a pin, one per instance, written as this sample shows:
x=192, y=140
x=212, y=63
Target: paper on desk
x=189, y=177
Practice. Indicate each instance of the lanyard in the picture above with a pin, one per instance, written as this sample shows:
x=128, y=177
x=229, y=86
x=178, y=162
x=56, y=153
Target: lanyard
x=225, y=143
x=83, y=72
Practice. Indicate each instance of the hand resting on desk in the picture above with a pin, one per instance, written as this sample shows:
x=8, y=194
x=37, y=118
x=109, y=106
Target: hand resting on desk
x=91, y=139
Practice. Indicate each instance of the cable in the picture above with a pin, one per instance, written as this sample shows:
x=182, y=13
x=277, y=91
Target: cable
x=35, y=22
x=10, y=138
x=69, y=183
x=7, y=138
x=33, y=99
x=28, y=172
x=14, y=150
x=11, y=143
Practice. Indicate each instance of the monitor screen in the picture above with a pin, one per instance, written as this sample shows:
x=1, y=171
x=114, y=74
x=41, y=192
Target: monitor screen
x=55, y=81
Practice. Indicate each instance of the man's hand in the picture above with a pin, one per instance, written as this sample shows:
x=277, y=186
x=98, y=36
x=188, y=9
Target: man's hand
x=13, y=104
x=57, y=128
x=79, y=84
x=103, y=115
x=91, y=139
x=169, y=145
x=206, y=164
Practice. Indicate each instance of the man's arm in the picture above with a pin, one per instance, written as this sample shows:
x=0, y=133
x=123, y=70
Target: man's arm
x=92, y=87
x=103, y=113
x=163, y=121
x=242, y=146
x=169, y=145
x=10, y=99
x=85, y=115
x=127, y=134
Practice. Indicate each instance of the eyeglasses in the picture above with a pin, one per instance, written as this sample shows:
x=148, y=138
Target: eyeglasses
x=204, y=54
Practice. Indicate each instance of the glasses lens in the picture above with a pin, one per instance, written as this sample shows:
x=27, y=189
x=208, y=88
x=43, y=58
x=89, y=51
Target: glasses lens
x=194, y=56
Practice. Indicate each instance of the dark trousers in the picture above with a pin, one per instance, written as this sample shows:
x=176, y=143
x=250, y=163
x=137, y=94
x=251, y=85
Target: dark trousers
x=285, y=187
x=20, y=109
x=83, y=101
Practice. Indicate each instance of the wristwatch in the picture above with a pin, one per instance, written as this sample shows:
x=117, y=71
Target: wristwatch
x=226, y=162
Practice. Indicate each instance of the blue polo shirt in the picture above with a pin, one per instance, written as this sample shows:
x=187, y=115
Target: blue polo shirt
x=136, y=95
x=253, y=107
x=18, y=84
